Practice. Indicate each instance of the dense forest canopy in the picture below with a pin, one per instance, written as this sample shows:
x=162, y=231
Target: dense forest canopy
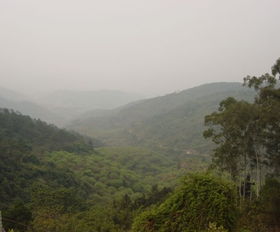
x=23, y=142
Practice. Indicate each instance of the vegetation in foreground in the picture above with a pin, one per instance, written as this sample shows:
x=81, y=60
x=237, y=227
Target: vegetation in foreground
x=200, y=200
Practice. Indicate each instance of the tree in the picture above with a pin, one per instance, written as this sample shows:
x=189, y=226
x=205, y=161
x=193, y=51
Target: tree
x=248, y=134
x=268, y=101
x=233, y=129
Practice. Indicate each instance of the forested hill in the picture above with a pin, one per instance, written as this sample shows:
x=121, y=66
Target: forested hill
x=46, y=171
x=172, y=123
x=23, y=143
x=41, y=136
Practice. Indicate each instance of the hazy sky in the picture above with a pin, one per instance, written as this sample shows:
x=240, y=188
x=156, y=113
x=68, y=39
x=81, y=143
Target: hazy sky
x=144, y=46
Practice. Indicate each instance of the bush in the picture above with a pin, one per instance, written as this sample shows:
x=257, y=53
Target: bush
x=200, y=200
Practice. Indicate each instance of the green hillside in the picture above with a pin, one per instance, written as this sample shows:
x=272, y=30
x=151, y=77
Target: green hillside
x=23, y=141
x=41, y=136
x=170, y=124
x=32, y=151
x=44, y=169
x=111, y=173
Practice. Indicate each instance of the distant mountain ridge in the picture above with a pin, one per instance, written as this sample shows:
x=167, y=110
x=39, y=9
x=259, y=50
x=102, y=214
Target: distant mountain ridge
x=71, y=104
x=173, y=123
x=63, y=106
x=101, y=99
x=12, y=95
x=18, y=102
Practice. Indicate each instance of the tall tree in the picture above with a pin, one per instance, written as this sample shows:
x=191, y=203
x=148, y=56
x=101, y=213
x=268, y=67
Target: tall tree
x=248, y=134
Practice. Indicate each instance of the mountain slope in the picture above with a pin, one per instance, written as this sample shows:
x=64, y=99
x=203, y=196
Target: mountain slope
x=171, y=123
x=35, y=153
x=40, y=135
x=48, y=171
x=23, y=142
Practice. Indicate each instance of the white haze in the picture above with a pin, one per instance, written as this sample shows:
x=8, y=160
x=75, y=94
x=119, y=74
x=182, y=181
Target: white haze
x=147, y=46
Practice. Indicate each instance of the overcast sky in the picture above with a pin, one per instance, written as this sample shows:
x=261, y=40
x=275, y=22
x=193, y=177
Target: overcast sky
x=144, y=46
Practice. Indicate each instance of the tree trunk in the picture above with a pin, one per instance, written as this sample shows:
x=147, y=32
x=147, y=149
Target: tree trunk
x=258, y=176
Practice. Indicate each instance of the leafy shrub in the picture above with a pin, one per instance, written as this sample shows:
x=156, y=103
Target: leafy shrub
x=200, y=199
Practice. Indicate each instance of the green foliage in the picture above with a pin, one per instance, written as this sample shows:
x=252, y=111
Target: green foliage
x=111, y=172
x=23, y=142
x=17, y=217
x=19, y=170
x=98, y=219
x=102, y=177
x=141, y=161
x=61, y=215
x=63, y=200
x=233, y=129
x=214, y=228
x=268, y=101
x=201, y=199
